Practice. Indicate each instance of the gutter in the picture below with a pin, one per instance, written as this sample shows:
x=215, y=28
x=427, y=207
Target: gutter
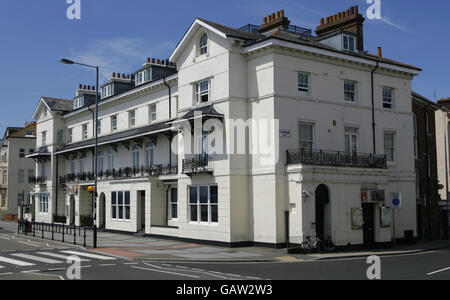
x=373, y=110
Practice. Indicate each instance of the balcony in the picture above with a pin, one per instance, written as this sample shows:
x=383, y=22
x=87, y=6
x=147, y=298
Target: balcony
x=336, y=159
x=122, y=173
x=41, y=180
x=197, y=165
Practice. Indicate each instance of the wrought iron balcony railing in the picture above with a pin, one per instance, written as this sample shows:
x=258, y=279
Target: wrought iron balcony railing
x=41, y=180
x=127, y=172
x=198, y=164
x=336, y=159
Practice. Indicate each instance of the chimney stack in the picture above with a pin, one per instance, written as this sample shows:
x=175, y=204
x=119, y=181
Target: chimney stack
x=349, y=20
x=380, y=53
x=273, y=22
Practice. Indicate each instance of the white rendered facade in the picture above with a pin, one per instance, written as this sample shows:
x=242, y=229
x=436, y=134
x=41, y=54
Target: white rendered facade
x=253, y=191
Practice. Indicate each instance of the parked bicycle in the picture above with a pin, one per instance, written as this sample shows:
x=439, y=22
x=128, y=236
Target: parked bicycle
x=312, y=243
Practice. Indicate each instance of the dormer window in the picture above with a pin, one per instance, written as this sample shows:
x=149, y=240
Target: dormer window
x=348, y=43
x=203, y=45
x=78, y=102
x=107, y=91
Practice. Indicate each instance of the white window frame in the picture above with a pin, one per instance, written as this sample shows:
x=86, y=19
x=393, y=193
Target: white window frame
x=173, y=204
x=99, y=127
x=304, y=89
x=302, y=140
x=132, y=118
x=114, y=123
x=152, y=112
x=199, y=93
x=393, y=149
x=60, y=136
x=149, y=154
x=388, y=102
x=115, y=206
x=111, y=159
x=43, y=204
x=82, y=165
x=354, y=92
x=349, y=138
x=135, y=156
x=203, y=48
x=100, y=161
x=198, y=205
x=44, y=138
x=70, y=137
x=84, y=131
x=350, y=44
x=21, y=178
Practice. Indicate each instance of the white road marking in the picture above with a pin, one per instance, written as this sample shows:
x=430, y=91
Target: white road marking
x=95, y=256
x=15, y=262
x=4, y=274
x=133, y=263
x=1, y=267
x=161, y=271
x=438, y=271
x=59, y=256
x=37, y=258
x=30, y=271
x=5, y=238
x=107, y=265
x=29, y=244
x=153, y=266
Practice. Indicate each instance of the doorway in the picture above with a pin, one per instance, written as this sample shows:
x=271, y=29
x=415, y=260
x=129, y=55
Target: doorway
x=322, y=202
x=102, y=211
x=72, y=210
x=369, y=224
x=141, y=210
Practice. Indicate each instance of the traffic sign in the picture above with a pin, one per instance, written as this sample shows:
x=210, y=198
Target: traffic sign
x=396, y=200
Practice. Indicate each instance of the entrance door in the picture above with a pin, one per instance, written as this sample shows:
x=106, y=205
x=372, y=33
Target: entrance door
x=72, y=210
x=369, y=224
x=141, y=209
x=322, y=199
x=102, y=211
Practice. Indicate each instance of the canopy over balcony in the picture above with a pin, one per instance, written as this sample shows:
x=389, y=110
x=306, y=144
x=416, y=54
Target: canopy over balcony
x=40, y=155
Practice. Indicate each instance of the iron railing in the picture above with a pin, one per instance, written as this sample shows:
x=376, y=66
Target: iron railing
x=198, y=164
x=336, y=159
x=299, y=30
x=127, y=172
x=42, y=180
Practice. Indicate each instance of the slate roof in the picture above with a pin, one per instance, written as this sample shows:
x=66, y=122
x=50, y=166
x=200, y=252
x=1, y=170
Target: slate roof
x=56, y=104
x=232, y=32
x=206, y=111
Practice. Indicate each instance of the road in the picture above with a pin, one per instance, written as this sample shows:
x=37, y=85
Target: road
x=22, y=258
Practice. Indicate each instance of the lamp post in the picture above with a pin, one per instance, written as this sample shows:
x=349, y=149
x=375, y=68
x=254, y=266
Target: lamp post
x=69, y=62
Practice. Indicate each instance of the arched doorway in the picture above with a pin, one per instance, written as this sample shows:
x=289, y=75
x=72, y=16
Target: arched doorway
x=102, y=211
x=72, y=210
x=322, y=211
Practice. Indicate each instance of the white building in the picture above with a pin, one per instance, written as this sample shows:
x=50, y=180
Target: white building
x=318, y=88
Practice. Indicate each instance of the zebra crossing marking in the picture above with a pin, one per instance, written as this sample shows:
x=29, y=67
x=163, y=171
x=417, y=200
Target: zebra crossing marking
x=37, y=258
x=55, y=255
x=15, y=262
x=100, y=257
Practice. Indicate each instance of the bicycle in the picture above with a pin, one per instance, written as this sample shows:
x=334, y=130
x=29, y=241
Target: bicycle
x=312, y=243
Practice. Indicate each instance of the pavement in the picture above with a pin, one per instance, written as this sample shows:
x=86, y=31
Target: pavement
x=149, y=249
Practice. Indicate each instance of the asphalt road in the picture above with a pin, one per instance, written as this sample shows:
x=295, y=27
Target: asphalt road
x=22, y=258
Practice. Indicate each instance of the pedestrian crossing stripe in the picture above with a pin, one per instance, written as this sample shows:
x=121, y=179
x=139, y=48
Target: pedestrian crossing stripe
x=37, y=258
x=60, y=256
x=15, y=262
x=95, y=256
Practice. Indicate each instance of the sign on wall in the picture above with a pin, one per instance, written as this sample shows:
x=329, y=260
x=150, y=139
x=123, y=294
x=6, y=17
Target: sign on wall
x=385, y=216
x=396, y=200
x=357, y=218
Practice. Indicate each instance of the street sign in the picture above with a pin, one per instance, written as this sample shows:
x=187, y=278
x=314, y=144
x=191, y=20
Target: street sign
x=396, y=200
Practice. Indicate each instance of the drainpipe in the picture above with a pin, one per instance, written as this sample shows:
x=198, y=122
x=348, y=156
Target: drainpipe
x=57, y=182
x=373, y=110
x=170, y=116
x=428, y=166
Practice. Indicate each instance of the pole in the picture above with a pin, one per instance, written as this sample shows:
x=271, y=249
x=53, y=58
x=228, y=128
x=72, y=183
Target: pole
x=95, y=160
x=446, y=178
x=393, y=225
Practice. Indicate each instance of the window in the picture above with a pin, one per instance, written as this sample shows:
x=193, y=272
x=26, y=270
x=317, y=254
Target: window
x=30, y=151
x=149, y=148
x=132, y=118
x=20, y=198
x=107, y=91
x=349, y=91
x=70, y=135
x=306, y=136
x=99, y=127
x=348, y=43
x=100, y=161
x=5, y=177
x=427, y=123
x=303, y=84
x=389, y=146
x=120, y=206
x=44, y=138
x=351, y=140
x=85, y=131
x=82, y=160
x=142, y=76
x=416, y=145
x=110, y=159
x=21, y=153
x=4, y=157
x=203, y=45
x=136, y=156
x=72, y=167
x=30, y=174
x=152, y=112
x=114, y=123
x=43, y=203
x=21, y=176
x=59, y=136
x=203, y=204
x=43, y=170
x=202, y=92
x=173, y=203
x=78, y=102
x=388, y=98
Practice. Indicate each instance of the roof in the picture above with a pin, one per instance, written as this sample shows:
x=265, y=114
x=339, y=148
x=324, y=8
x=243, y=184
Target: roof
x=55, y=104
x=417, y=96
x=117, y=137
x=204, y=111
x=42, y=151
x=232, y=32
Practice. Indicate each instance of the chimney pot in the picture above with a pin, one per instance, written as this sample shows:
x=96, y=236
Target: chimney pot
x=322, y=21
x=153, y=60
x=80, y=86
x=113, y=74
x=380, y=53
x=84, y=87
x=148, y=60
x=128, y=76
x=282, y=13
x=273, y=16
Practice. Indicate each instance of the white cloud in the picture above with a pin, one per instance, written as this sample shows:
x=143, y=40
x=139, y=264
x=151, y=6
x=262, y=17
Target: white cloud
x=121, y=55
x=397, y=26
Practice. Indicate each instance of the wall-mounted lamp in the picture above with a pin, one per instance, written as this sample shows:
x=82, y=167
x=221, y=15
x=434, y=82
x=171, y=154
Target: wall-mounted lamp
x=306, y=195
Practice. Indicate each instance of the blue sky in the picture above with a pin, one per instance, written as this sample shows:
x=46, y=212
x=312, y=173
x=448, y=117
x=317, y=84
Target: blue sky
x=118, y=35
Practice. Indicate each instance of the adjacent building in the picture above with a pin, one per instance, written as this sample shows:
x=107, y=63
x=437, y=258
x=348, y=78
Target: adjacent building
x=16, y=170
x=255, y=135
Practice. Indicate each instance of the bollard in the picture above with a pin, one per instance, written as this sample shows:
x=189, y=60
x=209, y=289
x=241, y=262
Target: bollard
x=74, y=235
x=42, y=229
x=34, y=228
x=84, y=242
x=53, y=232
x=63, y=233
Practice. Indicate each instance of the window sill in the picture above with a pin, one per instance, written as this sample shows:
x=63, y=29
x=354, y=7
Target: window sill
x=204, y=224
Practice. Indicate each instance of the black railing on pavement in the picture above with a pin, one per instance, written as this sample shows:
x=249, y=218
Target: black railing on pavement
x=336, y=159
x=60, y=232
x=197, y=164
